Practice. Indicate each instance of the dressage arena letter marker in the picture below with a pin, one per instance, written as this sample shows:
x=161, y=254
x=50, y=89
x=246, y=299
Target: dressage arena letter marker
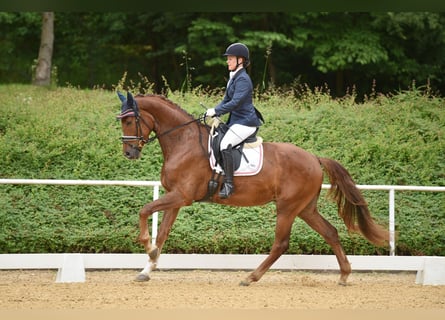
x=433, y=272
x=72, y=270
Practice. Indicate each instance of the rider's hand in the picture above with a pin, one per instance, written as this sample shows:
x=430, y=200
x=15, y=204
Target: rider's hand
x=210, y=112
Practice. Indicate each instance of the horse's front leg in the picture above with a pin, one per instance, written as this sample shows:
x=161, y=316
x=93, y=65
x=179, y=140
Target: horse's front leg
x=168, y=218
x=170, y=213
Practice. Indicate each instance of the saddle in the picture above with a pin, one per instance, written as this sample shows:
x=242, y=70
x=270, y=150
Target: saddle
x=239, y=152
x=247, y=156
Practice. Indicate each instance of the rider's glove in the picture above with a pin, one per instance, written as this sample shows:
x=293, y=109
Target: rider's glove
x=210, y=112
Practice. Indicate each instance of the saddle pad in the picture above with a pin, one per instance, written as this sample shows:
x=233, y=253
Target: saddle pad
x=250, y=167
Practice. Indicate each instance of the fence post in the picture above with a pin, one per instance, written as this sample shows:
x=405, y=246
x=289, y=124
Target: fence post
x=392, y=241
x=154, y=219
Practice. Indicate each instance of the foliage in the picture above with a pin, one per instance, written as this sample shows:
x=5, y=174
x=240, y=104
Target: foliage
x=343, y=49
x=20, y=41
x=67, y=133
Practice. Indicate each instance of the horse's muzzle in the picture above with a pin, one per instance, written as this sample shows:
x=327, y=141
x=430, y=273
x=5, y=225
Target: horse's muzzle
x=131, y=152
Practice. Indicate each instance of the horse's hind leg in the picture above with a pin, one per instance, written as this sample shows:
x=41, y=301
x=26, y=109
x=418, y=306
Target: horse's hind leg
x=281, y=244
x=330, y=234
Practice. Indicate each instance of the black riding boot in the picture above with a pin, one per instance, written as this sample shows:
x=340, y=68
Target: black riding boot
x=227, y=187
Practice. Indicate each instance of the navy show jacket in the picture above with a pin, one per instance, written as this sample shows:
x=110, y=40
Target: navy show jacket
x=238, y=101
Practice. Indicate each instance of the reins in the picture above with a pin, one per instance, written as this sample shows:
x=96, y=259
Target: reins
x=173, y=129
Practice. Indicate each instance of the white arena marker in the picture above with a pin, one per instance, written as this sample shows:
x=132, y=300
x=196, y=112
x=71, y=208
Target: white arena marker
x=433, y=272
x=72, y=270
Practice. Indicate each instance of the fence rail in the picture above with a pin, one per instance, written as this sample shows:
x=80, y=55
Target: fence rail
x=134, y=183
x=157, y=184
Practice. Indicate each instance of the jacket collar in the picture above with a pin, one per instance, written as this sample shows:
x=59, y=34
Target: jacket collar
x=235, y=74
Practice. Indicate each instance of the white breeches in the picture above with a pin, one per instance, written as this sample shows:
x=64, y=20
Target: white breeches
x=235, y=135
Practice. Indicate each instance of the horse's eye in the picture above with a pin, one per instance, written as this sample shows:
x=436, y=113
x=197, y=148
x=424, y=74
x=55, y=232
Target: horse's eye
x=129, y=122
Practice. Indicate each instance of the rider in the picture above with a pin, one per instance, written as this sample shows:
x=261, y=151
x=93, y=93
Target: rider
x=244, y=119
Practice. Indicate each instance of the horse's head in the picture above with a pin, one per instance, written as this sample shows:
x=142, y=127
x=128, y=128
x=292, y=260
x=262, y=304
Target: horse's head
x=134, y=128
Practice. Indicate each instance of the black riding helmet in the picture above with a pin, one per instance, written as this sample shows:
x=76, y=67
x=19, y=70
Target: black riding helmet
x=238, y=50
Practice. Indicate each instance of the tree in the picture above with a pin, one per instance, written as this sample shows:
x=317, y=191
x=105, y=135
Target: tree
x=360, y=51
x=43, y=69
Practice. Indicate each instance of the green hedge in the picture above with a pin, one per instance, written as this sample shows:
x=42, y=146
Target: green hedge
x=66, y=133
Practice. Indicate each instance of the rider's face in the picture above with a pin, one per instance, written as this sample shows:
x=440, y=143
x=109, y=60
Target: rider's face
x=231, y=62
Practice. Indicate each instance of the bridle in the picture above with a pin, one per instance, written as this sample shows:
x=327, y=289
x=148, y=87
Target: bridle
x=139, y=137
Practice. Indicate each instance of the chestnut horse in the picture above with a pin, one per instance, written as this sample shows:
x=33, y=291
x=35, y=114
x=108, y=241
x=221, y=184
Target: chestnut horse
x=291, y=177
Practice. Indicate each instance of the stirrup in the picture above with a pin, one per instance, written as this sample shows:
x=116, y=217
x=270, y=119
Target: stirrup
x=226, y=190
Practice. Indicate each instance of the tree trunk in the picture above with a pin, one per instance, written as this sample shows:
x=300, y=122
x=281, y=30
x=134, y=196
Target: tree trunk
x=43, y=69
x=272, y=72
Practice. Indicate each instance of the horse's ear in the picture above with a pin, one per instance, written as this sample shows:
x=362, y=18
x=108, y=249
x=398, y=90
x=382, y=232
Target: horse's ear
x=121, y=96
x=130, y=99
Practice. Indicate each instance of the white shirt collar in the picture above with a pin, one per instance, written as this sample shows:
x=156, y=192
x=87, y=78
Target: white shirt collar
x=232, y=73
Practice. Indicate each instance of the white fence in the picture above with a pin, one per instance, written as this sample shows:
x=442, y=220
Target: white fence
x=156, y=184
x=134, y=183
x=64, y=262
x=392, y=218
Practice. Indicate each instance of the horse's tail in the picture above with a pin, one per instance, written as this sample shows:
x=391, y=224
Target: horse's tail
x=352, y=207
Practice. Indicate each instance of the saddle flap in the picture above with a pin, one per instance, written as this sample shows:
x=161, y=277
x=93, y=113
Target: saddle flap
x=247, y=157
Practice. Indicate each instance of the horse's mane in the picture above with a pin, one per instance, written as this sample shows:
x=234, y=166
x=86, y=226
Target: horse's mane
x=170, y=103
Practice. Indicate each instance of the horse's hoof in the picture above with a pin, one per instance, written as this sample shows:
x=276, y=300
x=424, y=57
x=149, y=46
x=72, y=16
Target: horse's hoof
x=342, y=283
x=343, y=279
x=244, y=283
x=142, y=277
